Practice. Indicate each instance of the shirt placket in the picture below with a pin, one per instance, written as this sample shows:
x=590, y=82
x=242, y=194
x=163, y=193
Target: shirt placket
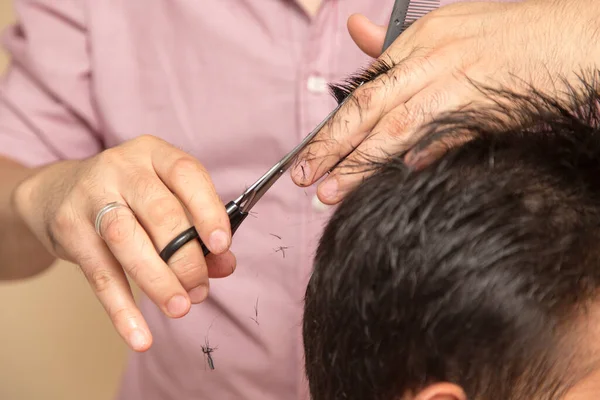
x=317, y=66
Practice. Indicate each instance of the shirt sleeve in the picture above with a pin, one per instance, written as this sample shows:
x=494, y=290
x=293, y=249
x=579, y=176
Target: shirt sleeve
x=46, y=108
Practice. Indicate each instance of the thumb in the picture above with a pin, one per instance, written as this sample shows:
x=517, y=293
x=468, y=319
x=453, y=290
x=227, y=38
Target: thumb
x=368, y=36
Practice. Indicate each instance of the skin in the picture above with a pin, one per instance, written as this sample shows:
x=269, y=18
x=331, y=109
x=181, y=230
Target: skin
x=585, y=330
x=53, y=209
x=437, y=59
x=586, y=389
x=49, y=212
x=440, y=391
x=310, y=6
x=438, y=56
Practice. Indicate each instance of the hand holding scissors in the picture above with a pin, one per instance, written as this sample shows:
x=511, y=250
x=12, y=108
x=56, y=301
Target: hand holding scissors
x=239, y=208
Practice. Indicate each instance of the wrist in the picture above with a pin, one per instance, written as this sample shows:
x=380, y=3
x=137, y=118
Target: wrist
x=22, y=253
x=37, y=191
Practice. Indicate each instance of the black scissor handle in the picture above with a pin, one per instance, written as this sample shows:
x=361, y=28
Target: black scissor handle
x=182, y=239
x=236, y=217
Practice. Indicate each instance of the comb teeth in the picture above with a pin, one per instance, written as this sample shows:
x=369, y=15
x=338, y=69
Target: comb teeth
x=417, y=9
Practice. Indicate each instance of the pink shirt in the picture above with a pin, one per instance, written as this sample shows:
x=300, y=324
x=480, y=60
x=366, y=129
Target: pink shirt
x=236, y=83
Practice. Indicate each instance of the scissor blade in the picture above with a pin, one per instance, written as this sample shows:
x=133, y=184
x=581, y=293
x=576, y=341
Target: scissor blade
x=287, y=160
x=254, y=193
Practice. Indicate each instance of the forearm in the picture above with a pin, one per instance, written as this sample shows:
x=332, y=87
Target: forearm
x=21, y=254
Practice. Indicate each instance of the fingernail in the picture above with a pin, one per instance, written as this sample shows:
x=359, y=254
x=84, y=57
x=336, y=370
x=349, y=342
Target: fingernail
x=218, y=241
x=177, y=306
x=419, y=160
x=198, y=294
x=138, y=340
x=302, y=172
x=329, y=188
x=410, y=157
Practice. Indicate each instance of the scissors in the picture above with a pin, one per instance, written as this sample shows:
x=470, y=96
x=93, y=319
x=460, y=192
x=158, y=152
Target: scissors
x=239, y=209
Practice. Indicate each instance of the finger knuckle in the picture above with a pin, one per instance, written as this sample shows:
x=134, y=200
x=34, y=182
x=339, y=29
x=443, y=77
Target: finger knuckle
x=420, y=65
x=61, y=221
x=108, y=157
x=157, y=280
x=121, y=314
x=190, y=269
x=397, y=124
x=135, y=269
x=431, y=22
x=145, y=140
x=435, y=101
x=362, y=98
x=132, y=151
x=61, y=225
x=101, y=280
x=184, y=169
x=117, y=227
x=107, y=167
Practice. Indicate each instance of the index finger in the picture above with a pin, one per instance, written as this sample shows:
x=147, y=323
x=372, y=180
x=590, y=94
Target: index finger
x=387, y=85
x=191, y=183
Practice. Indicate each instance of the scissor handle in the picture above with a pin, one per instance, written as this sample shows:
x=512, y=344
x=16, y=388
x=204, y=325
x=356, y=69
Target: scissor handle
x=236, y=216
x=182, y=239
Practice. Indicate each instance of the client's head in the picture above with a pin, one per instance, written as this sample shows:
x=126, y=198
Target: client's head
x=475, y=278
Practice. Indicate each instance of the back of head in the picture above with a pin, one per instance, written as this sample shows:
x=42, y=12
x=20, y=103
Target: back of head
x=477, y=270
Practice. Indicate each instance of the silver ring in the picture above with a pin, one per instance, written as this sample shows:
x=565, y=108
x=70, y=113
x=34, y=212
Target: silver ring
x=106, y=209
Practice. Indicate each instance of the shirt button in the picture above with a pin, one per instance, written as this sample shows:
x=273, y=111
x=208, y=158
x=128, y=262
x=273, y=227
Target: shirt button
x=318, y=205
x=316, y=84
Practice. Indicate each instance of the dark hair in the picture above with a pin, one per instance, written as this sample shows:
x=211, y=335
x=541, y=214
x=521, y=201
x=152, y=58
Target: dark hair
x=473, y=270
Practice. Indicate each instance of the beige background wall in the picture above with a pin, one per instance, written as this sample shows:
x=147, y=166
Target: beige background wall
x=55, y=341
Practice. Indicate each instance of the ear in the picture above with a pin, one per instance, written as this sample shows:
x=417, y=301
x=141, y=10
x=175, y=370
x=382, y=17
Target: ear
x=441, y=391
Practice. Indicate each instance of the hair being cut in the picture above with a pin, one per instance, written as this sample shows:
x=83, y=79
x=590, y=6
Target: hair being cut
x=477, y=270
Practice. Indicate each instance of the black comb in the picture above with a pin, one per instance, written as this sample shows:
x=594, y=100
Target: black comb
x=406, y=12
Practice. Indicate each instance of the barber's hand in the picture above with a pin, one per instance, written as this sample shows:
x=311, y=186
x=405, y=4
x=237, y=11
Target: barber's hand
x=437, y=60
x=159, y=183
